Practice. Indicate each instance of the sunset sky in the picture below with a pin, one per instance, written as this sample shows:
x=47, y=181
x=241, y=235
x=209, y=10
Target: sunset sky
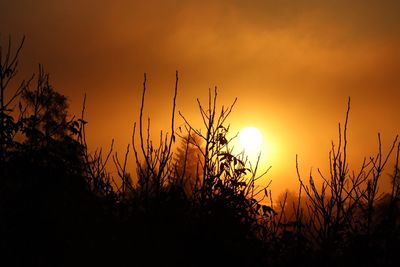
x=292, y=65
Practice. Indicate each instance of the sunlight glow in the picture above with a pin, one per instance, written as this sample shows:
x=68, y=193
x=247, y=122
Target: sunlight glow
x=250, y=138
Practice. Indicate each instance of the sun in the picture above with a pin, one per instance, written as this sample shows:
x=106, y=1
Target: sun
x=250, y=138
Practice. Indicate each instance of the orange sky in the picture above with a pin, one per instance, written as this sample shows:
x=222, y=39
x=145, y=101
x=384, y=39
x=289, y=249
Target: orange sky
x=292, y=65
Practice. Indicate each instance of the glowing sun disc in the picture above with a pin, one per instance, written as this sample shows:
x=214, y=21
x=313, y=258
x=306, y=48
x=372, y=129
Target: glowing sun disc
x=251, y=139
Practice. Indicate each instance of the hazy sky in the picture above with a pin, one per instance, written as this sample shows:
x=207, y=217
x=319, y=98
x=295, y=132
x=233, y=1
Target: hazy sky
x=292, y=65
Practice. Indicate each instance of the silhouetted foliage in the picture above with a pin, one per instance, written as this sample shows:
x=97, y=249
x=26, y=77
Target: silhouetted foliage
x=195, y=204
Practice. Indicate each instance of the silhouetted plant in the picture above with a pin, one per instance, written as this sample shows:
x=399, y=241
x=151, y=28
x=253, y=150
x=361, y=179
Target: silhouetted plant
x=228, y=180
x=44, y=198
x=8, y=70
x=395, y=194
x=97, y=178
x=345, y=205
x=155, y=170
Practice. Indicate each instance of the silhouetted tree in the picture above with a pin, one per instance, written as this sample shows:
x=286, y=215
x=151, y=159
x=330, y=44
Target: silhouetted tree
x=44, y=200
x=45, y=109
x=8, y=70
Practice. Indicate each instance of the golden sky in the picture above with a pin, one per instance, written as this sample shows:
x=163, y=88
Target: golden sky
x=292, y=65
